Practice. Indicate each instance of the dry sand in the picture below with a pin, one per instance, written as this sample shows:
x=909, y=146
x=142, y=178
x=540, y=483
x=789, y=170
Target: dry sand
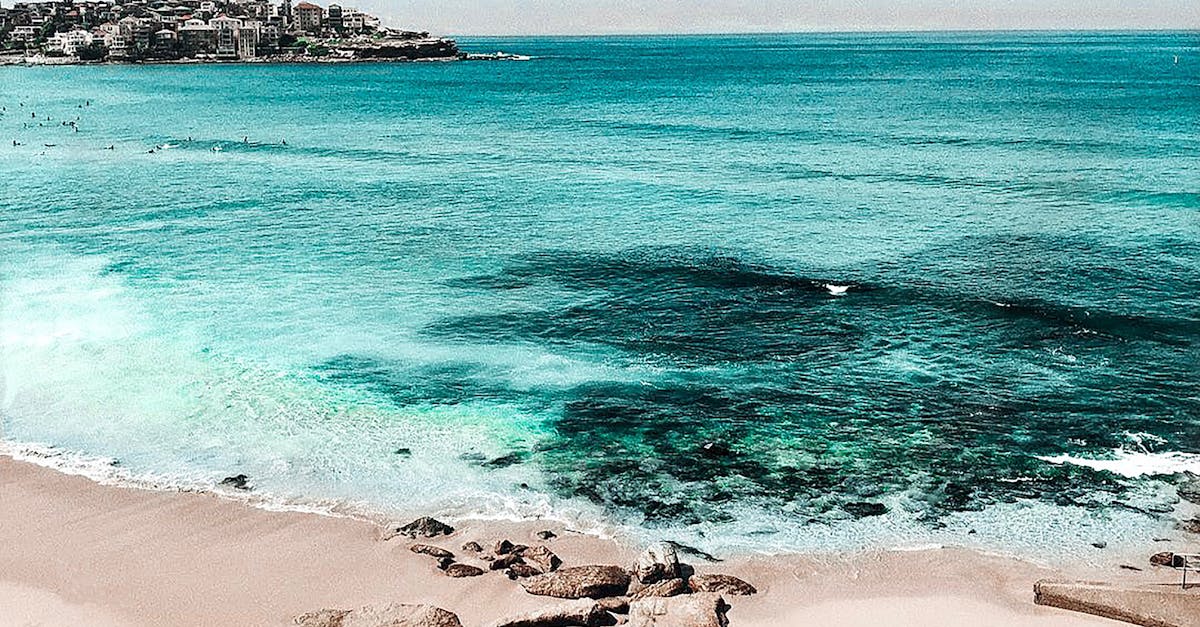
x=73, y=552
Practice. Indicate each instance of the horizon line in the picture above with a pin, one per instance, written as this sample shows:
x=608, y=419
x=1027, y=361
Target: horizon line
x=865, y=31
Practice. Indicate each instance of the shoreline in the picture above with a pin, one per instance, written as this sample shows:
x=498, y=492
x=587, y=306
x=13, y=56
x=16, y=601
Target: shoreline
x=27, y=62
x=126, y=556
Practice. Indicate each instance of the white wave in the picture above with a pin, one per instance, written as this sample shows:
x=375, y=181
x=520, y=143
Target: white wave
x=837, y=290
x=1134, y=464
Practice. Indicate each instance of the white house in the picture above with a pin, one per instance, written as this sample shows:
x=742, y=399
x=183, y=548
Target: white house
x=69, y=42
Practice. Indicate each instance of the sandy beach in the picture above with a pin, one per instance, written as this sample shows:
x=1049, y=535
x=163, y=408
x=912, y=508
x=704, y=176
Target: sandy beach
x=73, y=552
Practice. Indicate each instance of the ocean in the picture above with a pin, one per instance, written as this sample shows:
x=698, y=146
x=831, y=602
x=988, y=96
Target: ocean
x=751, y=293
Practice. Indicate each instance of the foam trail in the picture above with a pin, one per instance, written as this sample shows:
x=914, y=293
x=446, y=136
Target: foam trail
x=1134, y=464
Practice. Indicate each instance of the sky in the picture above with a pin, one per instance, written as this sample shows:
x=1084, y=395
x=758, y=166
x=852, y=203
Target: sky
x=542, y=17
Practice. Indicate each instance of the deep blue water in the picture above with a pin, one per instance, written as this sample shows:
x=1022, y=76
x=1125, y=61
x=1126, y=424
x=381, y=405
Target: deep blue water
x=599, y=284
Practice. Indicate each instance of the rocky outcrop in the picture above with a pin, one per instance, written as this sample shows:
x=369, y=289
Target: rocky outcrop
x=693, y=610
x=580, y=613
x=724, y=584
x=391, y=615
x=578, y=582
x=424, y=527
x=664, y=588
x=658, y=562
x=472, y=547
x=433, y=551
x=400, y=49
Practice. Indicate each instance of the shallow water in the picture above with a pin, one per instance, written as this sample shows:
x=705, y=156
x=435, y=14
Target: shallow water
x=783, y=292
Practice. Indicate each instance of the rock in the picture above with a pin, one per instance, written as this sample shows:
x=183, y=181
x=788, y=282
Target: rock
x=1162, y=559
x=715, y=450
x=322, y=618
x=463, y=570
x=432, y=551
x=425, y=527
x=521, y=571
x=472, y=547
x=1192, y=525
x=659, y=561
x=863, y=509
x=541, y=557
x=616, y=605
x=1100, y=545
x=500, y=563
x=1189, y=490
x=725, y=584
x=693, y=610
x=391, y=615
x=504, y=461
x=404, y=452
x=664, y=588
x=1130, y=567
x=565, y=614
x=577, y=582
x=546, y=535
x=504, y=547
x=237, y=482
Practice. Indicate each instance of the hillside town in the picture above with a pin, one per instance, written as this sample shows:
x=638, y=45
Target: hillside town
x=80, y=31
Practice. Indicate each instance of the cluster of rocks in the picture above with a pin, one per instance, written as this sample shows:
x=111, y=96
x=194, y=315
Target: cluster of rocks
x=658, y=591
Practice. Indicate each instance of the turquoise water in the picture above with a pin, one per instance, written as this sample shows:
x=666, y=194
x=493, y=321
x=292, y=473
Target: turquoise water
x=600, y=285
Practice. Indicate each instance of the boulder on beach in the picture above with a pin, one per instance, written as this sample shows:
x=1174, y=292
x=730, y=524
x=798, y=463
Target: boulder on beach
x=500, y=563
x=425, y=527
x=659, y=561
x=546, y=535
x=504, y=547
x=1162, y=559
x=540, y=557
x=616, y=605
x=579, y=613
x=432, y=551
x=472, y=547
x=692, y=610
x=664, y=588
x=725, y=584
x=578, y=582
x=521, y=571
x=391, y=615
x=463, y=570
